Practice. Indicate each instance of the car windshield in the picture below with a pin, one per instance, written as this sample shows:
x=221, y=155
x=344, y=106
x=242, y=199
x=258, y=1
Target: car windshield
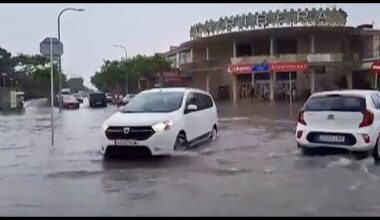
x=155, y=102
x=336, y=103
x=68, y=98
x=97, y=96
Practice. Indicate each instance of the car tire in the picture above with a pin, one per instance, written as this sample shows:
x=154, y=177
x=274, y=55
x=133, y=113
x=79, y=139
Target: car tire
x=306, y=151
x=214, y=133
x=376, y=153
x=181, y=142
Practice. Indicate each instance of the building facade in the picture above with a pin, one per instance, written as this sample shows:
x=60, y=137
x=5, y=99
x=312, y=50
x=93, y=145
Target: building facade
x=271, y=55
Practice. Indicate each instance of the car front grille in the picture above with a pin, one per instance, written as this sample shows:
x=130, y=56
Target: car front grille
x=313, y=137
x=135, y=151
x=136, y=133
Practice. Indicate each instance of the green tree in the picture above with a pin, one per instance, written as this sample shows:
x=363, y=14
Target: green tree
x=7, y=63
x=112, y=74
x=109, y=78
x=75, y=84
x=33, y=75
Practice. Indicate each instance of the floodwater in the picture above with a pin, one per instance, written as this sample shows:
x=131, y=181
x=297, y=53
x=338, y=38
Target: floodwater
x=253, y=169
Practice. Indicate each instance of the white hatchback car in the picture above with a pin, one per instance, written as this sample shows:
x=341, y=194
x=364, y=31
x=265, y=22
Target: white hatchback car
x=159, y=121
x=348, y=119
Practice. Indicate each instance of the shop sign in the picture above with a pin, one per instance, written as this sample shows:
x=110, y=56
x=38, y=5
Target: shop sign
x=260, y=68
x=239, y=69
x=289, y=67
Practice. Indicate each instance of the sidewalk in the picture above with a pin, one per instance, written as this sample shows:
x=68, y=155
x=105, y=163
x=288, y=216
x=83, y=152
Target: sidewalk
x=265, y=109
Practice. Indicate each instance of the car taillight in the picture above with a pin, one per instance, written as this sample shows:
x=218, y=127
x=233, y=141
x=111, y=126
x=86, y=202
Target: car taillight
x=368, y=118
x=301, y=118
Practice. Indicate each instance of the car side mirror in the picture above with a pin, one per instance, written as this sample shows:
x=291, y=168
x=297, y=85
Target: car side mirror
x=191, y=108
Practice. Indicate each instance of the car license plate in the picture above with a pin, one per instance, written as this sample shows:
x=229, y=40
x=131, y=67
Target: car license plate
x=332, y=138
x=125, y=142
x=98, y=102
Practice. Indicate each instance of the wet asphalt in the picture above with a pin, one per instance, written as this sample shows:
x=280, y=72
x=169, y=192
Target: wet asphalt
x=253, y=169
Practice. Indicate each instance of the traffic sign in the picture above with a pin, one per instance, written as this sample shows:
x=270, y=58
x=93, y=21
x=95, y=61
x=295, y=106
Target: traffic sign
x=57, y=47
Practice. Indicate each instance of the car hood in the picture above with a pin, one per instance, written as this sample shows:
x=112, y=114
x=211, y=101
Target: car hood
x=137, y=119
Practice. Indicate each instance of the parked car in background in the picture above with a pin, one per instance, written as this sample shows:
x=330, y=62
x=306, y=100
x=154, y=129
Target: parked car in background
x=98, y=100
x=66, y=91
x=69, y=102
x=79, y=97
x=118, y=99
x=160, y=121
x=348, y=119
x=109, y=97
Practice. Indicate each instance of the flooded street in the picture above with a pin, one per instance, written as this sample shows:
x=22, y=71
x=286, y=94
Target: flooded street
x=253, y=168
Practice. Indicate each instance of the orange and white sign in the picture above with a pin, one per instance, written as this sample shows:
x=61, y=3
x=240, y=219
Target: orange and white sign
x=240, y=69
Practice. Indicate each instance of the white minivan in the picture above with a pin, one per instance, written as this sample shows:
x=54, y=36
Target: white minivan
x=348, y=119
x=160, y=121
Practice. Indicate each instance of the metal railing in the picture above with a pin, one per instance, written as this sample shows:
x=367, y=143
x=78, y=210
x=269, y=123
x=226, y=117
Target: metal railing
x=202, y=65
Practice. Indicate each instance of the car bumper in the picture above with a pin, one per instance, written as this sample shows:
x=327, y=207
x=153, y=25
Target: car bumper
x=98, y=104
x=71, y=106
x=360, y=144
x=160, y=143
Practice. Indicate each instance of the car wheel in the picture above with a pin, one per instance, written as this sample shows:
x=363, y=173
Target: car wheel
x=214, y=133
x=181, y=142
x=306, y=151
x=376, y=152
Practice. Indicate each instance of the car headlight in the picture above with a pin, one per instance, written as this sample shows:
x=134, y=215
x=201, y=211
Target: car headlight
x=104, y=126
x=162, y=126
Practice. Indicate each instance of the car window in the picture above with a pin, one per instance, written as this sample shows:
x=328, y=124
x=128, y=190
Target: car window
x=203, y=101
x=336, y=103
x=155, y=102
x=191, y=100
x=97, y=96
x=68, y=98
x=376, y=99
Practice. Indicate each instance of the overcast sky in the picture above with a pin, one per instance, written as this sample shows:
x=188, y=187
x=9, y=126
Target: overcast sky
x=143, y=28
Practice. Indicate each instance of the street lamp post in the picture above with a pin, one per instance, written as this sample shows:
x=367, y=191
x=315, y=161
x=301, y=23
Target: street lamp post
x=11, y=79
x=59, y=58
x=4, y=75
x=126, y=75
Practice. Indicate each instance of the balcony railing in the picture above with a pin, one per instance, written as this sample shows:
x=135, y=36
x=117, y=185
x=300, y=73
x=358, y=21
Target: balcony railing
x=222, y=63
x=311, y=58
x=204, y=65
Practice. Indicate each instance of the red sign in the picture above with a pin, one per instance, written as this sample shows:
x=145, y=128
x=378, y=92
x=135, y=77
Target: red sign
x=240, y=69
x=172, y=77
x=289, y=67
x=376, y=66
